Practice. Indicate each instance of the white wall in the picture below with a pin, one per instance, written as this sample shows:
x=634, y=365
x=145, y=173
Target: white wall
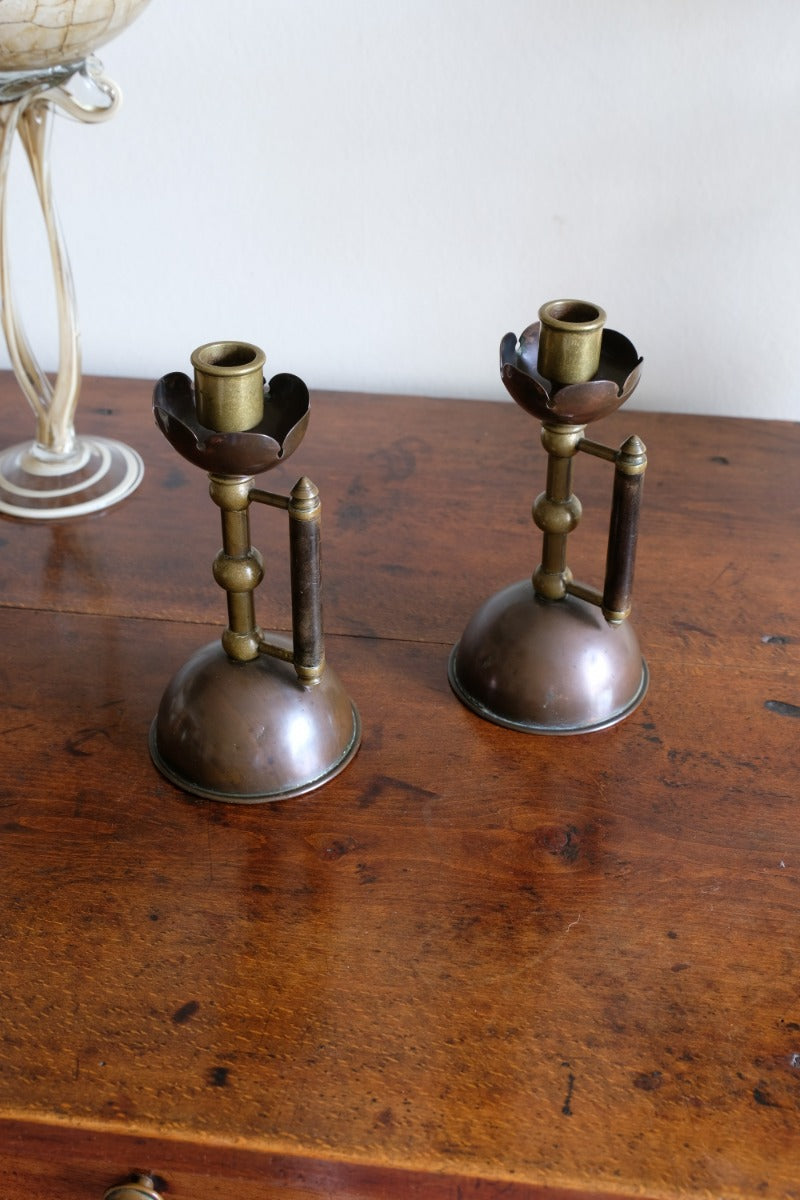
x=376, y=190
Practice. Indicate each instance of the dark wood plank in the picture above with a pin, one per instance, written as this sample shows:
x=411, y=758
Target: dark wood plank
x=569, y=964
x=74, y=1163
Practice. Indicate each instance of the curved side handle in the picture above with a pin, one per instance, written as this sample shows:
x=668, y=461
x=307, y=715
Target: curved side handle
x=305, y=510
x=630, y=465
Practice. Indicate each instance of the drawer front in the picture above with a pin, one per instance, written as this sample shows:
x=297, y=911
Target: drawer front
x=54, y=1162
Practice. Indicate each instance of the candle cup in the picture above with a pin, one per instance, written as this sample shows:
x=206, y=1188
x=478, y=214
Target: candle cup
x=569, y=340
x=229, y=386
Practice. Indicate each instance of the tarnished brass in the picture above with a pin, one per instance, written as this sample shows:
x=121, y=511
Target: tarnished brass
x=629, y=468
x=238, y=567
x=552, y=654
x=569, y=341
x=141, y=1187
x=570, y=403
x=252, y=717
x=229, y=385
x=557, y=511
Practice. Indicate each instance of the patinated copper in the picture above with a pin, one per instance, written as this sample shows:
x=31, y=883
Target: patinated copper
x=547, y=666
x=254, y=717
x=572, y=403
x=247, y=452
x=551, y=654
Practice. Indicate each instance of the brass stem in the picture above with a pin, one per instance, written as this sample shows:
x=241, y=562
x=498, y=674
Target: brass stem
x=238, y=567
x=235, y=533
x=557, y=510
x=558, y=491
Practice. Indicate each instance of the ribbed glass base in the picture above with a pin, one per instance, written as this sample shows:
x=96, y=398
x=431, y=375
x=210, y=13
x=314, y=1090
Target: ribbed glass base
x=36, y=484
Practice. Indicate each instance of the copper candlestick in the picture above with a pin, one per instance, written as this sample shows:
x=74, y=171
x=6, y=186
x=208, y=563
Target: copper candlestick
x=550, y=654
x=251, y=718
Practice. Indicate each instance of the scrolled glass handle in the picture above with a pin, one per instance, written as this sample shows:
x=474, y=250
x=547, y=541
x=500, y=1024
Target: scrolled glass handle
x=108, y=93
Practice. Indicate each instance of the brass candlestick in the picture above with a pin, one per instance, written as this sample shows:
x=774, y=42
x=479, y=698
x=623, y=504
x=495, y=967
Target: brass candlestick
x=251, y=718
x=551, y=655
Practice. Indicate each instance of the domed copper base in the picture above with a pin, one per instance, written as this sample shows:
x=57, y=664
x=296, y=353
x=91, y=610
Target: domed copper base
x=547, y=666
x=251, y=732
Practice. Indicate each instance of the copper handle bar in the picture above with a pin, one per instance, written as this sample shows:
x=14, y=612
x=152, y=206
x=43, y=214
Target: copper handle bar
x=308, y=649
x=630, y=463
x=305, y=509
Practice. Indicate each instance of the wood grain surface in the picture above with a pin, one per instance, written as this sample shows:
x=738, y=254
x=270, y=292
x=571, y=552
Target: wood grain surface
x=478, y=963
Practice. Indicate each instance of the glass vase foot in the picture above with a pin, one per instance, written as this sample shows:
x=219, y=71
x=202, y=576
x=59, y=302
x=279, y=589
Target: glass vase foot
x=36, y=484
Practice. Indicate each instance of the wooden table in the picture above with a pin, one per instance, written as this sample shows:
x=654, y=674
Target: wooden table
x=477, y=964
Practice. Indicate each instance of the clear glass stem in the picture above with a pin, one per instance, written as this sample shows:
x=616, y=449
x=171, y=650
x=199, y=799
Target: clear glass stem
x=30, y=116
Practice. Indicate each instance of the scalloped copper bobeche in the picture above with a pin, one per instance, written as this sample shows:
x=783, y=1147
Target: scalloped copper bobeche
x=572, y=403
x=274, y=439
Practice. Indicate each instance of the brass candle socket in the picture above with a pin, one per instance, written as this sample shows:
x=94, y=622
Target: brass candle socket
x=551, y=654
x=251, y=717
x=229, y=385
x=570, y=336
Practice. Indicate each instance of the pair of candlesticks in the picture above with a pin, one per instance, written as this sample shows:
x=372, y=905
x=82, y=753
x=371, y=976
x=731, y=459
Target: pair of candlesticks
x=253, y=718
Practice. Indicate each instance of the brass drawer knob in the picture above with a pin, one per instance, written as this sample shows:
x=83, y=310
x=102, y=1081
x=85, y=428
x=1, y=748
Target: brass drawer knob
x=140, y=1188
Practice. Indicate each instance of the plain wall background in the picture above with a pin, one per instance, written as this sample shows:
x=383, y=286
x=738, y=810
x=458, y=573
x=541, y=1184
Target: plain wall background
x=375, y=191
